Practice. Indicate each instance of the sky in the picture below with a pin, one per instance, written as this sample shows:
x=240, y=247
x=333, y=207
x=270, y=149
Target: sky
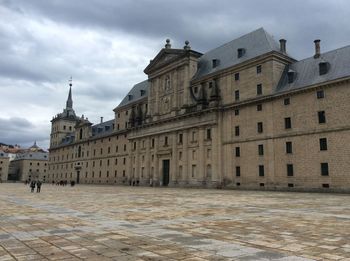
x=104, y=45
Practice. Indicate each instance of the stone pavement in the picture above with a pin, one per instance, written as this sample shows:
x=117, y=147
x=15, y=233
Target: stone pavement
x=135, y=223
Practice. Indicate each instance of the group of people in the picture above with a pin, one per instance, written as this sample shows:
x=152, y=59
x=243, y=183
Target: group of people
x=34, y=184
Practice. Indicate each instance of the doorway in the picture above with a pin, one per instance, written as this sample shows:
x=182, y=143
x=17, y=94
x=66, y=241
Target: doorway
x=166, y=164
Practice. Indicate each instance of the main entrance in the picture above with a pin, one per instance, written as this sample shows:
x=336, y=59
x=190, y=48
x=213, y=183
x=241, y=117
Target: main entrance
x=166, y=165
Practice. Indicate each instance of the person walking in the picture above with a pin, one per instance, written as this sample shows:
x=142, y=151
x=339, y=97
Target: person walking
x=38, y=186
x=32, y=186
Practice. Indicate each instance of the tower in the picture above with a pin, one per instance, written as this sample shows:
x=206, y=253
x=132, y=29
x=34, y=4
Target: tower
x=62, y=125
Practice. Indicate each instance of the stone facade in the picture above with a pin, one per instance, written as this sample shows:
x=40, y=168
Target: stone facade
x=244, y=115
x=4, y=166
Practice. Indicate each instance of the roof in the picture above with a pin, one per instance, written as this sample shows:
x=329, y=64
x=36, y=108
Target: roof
x=135, y=93
x=30, y=155
x=307, y=70
x=103, y=128
x=3, y=154
x=255, y=44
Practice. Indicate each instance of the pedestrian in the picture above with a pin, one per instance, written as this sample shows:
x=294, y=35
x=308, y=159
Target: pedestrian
x=32, y=186
x=38, y=186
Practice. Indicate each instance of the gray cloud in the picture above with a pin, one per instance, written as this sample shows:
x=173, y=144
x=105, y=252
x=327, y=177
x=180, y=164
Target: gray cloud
x=105, y=45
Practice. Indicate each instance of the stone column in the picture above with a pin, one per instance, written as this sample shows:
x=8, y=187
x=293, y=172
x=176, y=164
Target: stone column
x=201, y=155
x=174, y=160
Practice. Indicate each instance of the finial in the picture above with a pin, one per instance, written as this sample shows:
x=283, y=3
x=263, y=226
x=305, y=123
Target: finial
x=187, y=47
x=70, y=81
x=167, y=45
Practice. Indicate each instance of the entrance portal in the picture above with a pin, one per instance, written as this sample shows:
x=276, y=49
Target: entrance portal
x=166, y=165
x=78, y=176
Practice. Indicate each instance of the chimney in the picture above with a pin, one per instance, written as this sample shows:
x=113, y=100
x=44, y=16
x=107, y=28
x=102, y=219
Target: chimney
x=283, y=45
x=317, y=48
x=101, y=119
x=167, y=45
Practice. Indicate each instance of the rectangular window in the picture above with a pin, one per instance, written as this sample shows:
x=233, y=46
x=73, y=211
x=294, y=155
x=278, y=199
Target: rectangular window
x=290, y=171
x=289, y=147
x=236, y=112
x=324, y=169
x=261, y=149
x=321, y=117
x=259, y=107
x=238, y=151
x=193, y=171
x=323, y=144
x=152, y=143
x=287, y=123
x=290, y=185
x=237, y=131
x=134, y=145
x=180, y=138
x=208, y=134
x=237, y=95
x=236, y=76
x=320, y=94
x=165, y=141
x=238, y=171
x=286, y=101
x=258, y=69
x=259, y=89
x=261, y=171
x=260, y=127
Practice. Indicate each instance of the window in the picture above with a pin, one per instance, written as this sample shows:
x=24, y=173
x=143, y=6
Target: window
x=236, y=76
x=324, y=169
x=323, y=67
x=109, y=150
x=194, y=170
x=152, y=143
x=262, y=185
x=321, y=117
x=289, y=147
x=240, y=52
x=325, y=185
x=238, y=171
x=290, y=171
x=236, y=95
x=320, y=94
x=124, y=147
x=258, y=69
x=261, y=171
x=286, y=101
x=166, y=141
x=238, y=184
x=238, y=151
x=215, y=63
x=323, y=144
x=101, y=151
x=261, y=149
x=237, y=131
x=208, y=134
x=124, y=161
x=236, y=112
x=260, y=127
x=180, y=138
x=134, y=145
x=287, y=123
x=259, y=89
x=259, y=107
x=290, y=185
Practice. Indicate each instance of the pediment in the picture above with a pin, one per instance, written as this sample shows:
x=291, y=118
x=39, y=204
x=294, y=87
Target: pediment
x=165, y=56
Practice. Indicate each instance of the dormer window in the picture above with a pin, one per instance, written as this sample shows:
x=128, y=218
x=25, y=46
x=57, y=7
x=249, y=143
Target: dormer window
x=240, y=52
x=291, y=76
x=130, y=97
x=323, y=68
x=142, y=92
x=215, y=62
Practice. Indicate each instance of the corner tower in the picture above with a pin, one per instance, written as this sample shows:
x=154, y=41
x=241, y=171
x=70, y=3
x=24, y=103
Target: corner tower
x=63, y=123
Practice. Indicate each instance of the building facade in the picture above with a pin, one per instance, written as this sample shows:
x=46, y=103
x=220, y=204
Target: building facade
x=29, y=164
x=4, y=166
x=243, y=115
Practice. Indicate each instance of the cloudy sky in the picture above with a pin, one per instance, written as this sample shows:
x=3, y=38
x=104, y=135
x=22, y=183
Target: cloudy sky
x=105, y=45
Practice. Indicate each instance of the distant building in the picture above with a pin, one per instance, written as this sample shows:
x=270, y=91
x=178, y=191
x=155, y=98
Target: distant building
x=29, y=164
x=4, y=166
x=243, y=115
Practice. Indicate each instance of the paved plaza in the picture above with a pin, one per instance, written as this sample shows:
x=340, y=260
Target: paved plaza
x=135, y=223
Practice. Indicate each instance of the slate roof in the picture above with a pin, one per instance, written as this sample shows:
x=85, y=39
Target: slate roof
x=30, y=155
x=255, y=43
x=307, y=70
x=136, y=93
x=103, y=128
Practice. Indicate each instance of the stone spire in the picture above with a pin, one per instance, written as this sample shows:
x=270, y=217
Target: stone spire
x=69, y=103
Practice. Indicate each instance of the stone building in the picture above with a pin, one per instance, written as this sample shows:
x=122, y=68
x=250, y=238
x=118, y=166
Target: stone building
x=243, y=115
x=4, y=166
x=29, y=164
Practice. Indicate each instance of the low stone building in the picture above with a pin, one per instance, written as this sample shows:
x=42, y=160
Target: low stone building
x=243, y=115
x=4, y=166
x=30, y=164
